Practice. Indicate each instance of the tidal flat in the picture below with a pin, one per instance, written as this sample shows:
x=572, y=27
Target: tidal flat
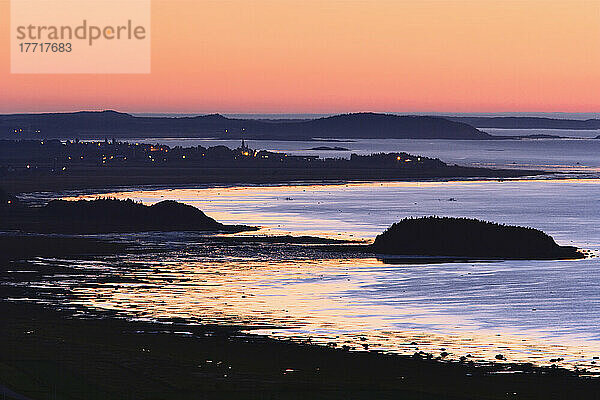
x=48, y=354
x=482, y=319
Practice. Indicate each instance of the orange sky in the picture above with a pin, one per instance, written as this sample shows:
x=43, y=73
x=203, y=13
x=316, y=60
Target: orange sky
x=333, y=56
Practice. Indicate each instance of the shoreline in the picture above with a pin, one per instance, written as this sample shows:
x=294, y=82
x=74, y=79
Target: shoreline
x=104, y=184
x=36, y=196
x=114, y=358
x=263, y=366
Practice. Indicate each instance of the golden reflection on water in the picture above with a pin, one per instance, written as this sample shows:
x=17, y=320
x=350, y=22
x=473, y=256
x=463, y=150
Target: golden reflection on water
x=300, y=295
x=298, y=209
x=295, y=300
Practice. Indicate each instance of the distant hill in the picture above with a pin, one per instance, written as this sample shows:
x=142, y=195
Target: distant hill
x=114, y=124
x=528, y=123
x=380, y=126
x=463, y=237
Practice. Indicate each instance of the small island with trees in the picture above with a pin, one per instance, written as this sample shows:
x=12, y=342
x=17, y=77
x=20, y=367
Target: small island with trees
x=419, y=238
x=468, y=238
x=107, y=215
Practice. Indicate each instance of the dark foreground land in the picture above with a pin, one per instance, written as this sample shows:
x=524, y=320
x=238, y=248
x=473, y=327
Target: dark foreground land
x=47, y=354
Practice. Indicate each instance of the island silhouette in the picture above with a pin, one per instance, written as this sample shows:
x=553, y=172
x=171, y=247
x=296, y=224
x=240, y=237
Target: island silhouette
x=106, y=215
x=528, y=122
x=329, y=148
x=447, y=237
x=468, y=238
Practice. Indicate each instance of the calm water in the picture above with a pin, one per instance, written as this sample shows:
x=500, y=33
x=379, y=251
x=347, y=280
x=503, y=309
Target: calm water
x=565, y=155
x=579, y=133
x=529, y=311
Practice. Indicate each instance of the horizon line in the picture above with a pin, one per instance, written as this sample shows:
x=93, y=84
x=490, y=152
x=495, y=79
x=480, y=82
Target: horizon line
x=591, y=114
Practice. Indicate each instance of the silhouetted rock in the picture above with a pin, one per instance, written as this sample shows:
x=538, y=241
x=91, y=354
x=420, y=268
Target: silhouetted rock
x=468, y=238
x=112, y=215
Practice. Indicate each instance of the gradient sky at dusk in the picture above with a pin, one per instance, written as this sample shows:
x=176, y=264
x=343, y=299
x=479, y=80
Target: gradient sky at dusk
x=339, y=56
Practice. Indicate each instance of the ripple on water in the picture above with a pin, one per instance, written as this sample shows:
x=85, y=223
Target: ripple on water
x=525, y=311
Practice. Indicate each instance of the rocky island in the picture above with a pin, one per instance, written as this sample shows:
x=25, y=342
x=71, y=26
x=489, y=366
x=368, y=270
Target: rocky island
x=468, y=238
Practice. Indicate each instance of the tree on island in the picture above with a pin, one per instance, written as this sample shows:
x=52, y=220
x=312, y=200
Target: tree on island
x=104, y=215
x=464, y=237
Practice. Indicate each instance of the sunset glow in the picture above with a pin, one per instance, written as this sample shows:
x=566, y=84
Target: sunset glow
x=324, y=56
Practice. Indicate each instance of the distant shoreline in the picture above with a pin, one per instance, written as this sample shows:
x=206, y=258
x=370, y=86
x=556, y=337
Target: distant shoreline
x=170, y=136
x=42, y=196
x=109, y=123
x=86, y=180
x=29, y=166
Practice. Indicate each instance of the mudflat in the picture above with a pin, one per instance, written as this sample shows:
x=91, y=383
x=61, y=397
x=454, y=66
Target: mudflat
x=47, y=354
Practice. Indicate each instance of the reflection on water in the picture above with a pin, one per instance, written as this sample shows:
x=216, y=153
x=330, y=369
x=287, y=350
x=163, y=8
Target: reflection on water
x=516, y=309
x=530, y=311
x=567, y=209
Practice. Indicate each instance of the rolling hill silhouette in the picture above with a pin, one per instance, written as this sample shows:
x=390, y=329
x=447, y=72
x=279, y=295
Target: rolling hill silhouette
x=121, y=125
